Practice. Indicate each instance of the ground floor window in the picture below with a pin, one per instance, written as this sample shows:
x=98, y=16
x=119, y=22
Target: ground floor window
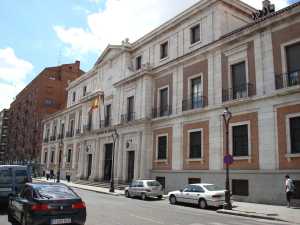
x=240, y=187
x=295, y=134
x=162, y=181
x=194, y=180
x=297, y=191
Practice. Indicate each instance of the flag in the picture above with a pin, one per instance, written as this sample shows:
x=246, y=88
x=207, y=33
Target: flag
x=94, y=103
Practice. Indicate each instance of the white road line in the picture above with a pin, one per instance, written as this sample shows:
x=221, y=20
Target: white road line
x=147, y=219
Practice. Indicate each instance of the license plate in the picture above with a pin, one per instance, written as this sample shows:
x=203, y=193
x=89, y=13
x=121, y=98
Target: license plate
x=61, y=221
x=5, y=189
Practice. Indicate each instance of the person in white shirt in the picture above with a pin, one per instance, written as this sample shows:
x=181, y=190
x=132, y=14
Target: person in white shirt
x=288, y=189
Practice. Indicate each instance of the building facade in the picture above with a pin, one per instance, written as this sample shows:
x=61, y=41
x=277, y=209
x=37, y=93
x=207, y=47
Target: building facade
x=3, y=134
x=164, y=96
x=45, y=95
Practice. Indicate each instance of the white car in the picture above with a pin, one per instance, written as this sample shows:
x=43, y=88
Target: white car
x=201, y=194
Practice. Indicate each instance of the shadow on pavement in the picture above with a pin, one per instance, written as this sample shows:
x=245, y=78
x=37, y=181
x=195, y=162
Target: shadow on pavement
x=210, y=208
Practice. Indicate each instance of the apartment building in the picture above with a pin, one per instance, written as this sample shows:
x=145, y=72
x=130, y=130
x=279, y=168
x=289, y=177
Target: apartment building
x=160, y=100
x=3, y=133
x=44, y=95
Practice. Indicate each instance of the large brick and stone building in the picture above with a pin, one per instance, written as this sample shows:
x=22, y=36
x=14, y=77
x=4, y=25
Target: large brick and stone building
x=165, y=94
x=45, y=95
x=3, y=134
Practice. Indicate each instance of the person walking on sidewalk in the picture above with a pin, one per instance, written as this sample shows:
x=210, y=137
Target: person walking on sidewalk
x=289, y=188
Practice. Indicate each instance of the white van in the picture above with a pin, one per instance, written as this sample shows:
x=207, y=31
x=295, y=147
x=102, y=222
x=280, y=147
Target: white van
x=12, y=180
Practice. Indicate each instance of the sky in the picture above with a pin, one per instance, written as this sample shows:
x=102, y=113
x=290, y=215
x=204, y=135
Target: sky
x=42, y=33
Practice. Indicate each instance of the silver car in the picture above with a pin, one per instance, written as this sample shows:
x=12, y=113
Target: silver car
x=144, y=189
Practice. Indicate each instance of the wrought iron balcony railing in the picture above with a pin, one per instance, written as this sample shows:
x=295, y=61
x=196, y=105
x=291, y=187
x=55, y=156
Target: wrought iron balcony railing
x=70, y=133
x=287, y=80
x=46, y=140
x=125, y=118
x=194, y=103
x=53, y=138
x=87, y=128
x=163, y=111
x=237, y=92
x=78, y=132
x=60, y=136
x=105, y=123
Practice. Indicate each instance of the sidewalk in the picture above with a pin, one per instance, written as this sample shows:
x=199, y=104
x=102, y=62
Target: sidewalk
x=262, y=211
x=84, y=187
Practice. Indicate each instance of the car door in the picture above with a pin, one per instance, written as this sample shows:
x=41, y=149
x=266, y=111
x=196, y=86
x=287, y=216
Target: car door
x=21, y=201
x=196, y=193
x=139, y=188
x=185, y=194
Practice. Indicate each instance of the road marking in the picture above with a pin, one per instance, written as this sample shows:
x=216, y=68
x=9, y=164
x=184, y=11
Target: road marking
x=147, y=219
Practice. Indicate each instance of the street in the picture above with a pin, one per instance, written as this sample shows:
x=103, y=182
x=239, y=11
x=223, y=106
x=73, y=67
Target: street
x=117, y=210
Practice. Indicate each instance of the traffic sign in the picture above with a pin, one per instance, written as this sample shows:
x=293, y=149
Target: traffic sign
x=228, y=159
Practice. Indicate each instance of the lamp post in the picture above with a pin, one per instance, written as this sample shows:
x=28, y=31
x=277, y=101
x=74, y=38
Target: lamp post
x=227, y=159
x=115, y=136
x=59, y=156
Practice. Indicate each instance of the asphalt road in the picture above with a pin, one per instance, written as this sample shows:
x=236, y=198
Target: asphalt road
x=118, y=210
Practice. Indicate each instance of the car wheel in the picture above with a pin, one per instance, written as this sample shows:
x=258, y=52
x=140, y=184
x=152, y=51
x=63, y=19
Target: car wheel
x=160, y=197
x=143, y=196
x=172, y=199
x=127, y=194
x=202, y=204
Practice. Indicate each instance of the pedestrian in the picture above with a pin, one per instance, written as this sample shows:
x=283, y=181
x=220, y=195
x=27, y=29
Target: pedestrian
x=47, y=174
x=289, y=189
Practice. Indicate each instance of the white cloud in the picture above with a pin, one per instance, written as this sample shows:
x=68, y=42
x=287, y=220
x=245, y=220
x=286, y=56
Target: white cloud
x=13, y=72
x=127, y=18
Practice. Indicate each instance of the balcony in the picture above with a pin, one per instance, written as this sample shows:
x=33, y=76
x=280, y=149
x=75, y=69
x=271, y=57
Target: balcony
x=46, y=140
x=87, y=128
x=53, y=138
x=78, y=132
x=70, y=134
x=238, y=92
x=60, y=136
x=194, y=103
x=287, y=80
x=125, y=118
x=163, y=111
x=105, y=123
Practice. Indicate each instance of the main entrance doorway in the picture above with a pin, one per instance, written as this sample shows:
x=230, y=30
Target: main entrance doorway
x=89, y=168
x=108, y=162
x=130, y=164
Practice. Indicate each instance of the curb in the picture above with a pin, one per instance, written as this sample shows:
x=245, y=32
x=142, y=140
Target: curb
x=244, y=214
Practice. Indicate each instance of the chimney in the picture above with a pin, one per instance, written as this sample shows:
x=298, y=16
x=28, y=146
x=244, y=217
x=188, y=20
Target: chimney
x=77, y=65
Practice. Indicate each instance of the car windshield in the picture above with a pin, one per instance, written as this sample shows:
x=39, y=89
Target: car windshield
x=212, y=187
x=5, y=177
x=55, y=192
x=153, y=183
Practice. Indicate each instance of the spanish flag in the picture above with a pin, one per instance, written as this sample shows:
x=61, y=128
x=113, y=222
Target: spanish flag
x=94, y=103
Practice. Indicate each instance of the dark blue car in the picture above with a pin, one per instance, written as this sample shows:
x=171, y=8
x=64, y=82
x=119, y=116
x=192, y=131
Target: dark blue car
x=46, y=203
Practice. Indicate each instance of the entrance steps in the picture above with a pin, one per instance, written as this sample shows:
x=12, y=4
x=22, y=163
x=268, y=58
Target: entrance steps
x=102, y=184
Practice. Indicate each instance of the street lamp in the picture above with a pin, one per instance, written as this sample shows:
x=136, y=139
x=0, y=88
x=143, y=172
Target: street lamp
x=115, y=136
x=59, y=156
x=227, y=159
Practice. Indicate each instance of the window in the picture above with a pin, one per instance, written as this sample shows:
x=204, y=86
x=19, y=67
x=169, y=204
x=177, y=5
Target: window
x=138, y=62
x=163, y=102
x=162, y=181
x=295, y=134
x=240, y=140
x=194, y=180
x=195, y=145
x=6, y=176
x=297, y=192
x=90, y=119
x=195, y=34
x=52, y=156
x=293, y=64
x=69, y=155
x=21, y=176
x=239, y=81
x=240, y=187
x=45, y=157
x=164, y=50
x=130, y=108
x=196, y=188
x=196, y=93
x=108, y=115
x=162, y=148
x=71, y=127
x=74, y=96
x=49, y=102
x=84, y=91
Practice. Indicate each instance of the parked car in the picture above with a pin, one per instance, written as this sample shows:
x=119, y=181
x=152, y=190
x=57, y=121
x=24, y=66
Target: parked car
x=144, y=189
x=201, y=194
x=46, y=203
x=12, y=180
